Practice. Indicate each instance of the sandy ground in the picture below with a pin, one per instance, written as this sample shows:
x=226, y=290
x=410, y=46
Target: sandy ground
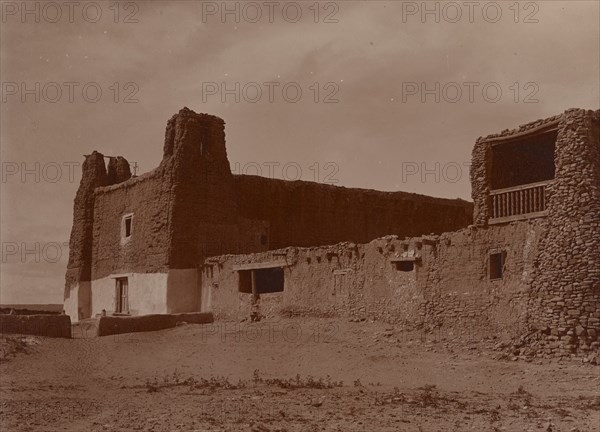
x=291, y=375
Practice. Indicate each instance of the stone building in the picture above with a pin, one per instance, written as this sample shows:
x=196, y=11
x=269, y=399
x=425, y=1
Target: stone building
x=191, y=236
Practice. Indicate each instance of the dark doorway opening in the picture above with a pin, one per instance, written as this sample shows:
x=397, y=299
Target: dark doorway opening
x=497, y=265
x=122, y=300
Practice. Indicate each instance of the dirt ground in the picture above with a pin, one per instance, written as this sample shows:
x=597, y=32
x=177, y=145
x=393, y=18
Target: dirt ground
x=291, y=375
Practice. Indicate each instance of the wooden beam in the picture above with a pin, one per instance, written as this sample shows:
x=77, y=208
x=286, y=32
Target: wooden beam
x=521, y=187
x=518, y=217
x=257, y=266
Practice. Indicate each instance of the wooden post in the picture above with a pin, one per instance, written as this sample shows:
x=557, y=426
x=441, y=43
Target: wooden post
x=254, y=304
x=495, y=201
x=521, y=203
x=254, y=289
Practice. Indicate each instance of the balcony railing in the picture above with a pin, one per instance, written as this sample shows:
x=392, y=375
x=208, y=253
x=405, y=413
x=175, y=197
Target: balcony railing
x=519, y=202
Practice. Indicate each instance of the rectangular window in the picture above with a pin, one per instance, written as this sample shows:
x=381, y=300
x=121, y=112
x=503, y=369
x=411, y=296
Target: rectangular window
x=127, y=226
x=497, y=265
x=121, y=298
x=405, y=266
x=266, y=280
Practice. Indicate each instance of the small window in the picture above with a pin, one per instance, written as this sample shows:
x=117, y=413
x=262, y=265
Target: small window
x=127, y=226
x=405, y=266
x=497, y=265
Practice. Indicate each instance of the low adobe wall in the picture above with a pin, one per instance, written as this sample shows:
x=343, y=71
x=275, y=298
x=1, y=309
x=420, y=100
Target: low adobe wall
x=109, y=325
x=38, y=325
x=449, y=284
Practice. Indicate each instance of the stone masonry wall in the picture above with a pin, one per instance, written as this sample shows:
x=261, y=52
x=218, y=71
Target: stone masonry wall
x=563, y=300
x=481, y=165
x=565, y=296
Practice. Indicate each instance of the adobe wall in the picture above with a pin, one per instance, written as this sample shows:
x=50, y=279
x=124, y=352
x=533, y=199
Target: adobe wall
x=459, y=288
x=77, y=292
x=449, y=286
x=38, y=325
x=215, y=212
x=149, y=198
x=301, y=213
x=204, y=207
x=192, y=207
x=321, y=281
x=108, y=325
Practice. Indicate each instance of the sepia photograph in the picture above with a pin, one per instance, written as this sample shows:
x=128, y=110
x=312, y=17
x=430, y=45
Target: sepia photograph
x=300, y=216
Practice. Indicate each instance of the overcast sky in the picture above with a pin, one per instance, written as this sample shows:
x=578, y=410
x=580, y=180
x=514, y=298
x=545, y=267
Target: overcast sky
x=371, y=60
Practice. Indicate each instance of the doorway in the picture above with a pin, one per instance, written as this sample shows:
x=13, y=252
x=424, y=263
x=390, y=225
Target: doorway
x=122, y=302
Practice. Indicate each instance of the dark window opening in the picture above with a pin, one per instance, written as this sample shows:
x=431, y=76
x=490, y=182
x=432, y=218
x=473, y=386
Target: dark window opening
x=497, y=265
x=523, y=161
x=263, y=239
x=405, y=266
x=127, y=226
x=269, y=280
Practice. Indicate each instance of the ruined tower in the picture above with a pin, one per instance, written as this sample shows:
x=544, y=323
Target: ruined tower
x=79, y=269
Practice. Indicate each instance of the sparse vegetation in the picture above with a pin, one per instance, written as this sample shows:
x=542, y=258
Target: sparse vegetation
x=298, y=382
x=11, y=345
x=221, y=382
x=174, y=380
